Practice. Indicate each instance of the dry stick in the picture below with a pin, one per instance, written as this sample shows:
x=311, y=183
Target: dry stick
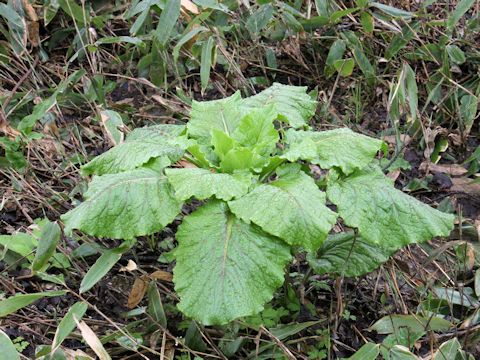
x=281, y=345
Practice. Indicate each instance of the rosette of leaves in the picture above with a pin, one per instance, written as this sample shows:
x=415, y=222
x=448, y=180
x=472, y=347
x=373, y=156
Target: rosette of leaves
x=248, y=165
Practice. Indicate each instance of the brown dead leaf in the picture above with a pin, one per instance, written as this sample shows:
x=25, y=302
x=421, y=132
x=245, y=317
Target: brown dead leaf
x=131, y=266
x=161, y=275
x=394, y=174
x=92, y=340
x=138, y=291
x=466, y=186
x=186, y=164
x=392, y=139
x=187, y=5
x=450, y=169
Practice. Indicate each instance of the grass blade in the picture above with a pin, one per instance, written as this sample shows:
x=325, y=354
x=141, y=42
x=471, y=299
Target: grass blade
x=67, y=324
x=167, y=21
x=47, y=243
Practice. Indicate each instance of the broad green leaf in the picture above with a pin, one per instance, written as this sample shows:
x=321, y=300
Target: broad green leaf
x=369, y=351
x=47, y=244
x=155, y=306
x=448, y=350
x=203, y=154
x=341, y=148
x=20, y=243
x=206, y=61
x=125, y=205
x=223, y=115
x=292, y=103
x=167, y=21
x=292, y=208
x=203, y=184
x=415, y=323
x=462, y=7
x=349, y=255
x=14, y=303
x=456, y=55
x=101, y=267
x=392, y=11
x=67, y=325
x=9, y=352
x=367, y=200
x=161, y=133
x=225, y=268
x=256, y=130
x=242, y=158
x=132, y=154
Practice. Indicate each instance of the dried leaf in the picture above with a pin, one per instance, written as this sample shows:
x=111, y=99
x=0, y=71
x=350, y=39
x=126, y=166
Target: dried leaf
x=92, y=340
x=138, y=291
x=131, y=266
x=161, y=275
x=450, y=169
x=187, y=5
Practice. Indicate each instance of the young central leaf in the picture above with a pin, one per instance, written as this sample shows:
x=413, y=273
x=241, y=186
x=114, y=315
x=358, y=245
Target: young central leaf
x=292, y=103
x=367, y=200
x=342, y=148
x=225, y=267
x=256, y=131
x=292, y=208
x=125, y=205
x=202, y=184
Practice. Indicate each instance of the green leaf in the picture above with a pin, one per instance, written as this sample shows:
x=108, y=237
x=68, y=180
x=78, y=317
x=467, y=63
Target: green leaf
x=223, y=115
x=67, y=325
x=206, y=62
x=101, y=267
x=259, y=18
x=185, y=39
x=462, y=7
x=133, y=154
x=456, y=55
x=120, y=39
x=335, y=53
x=399, y=41
x=341, y=148
x=292, y=103
x=369, y=351
x=222, y=143
x=392, y=323
x=125, y=205
x=367, y=200
x=9, y=352
x=20, y=243
x=412, y=90
x=14, y=303
x=448, y=350
x=256, y=131
x=468, y=110
x=392, y=11
x=47, y=244
x=203, y=184
x=155, y=306
x=168, y=133
x=167, y=21
x=292, y=208
x=349, y=255
x=242, y=158
x=344, y=66
x=225, y=268
x=367, y=21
